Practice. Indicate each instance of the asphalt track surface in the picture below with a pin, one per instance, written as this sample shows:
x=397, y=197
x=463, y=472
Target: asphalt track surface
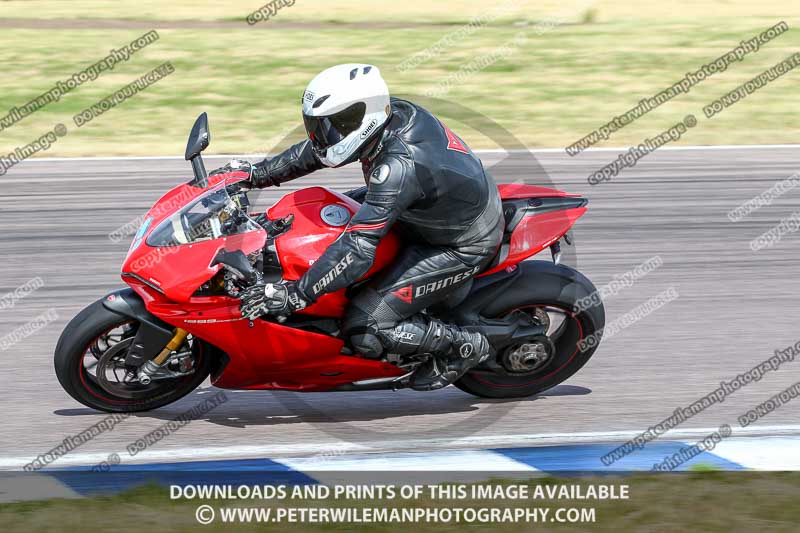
x=735, y=308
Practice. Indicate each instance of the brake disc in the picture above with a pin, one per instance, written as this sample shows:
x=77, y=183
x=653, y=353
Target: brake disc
x=542, y=318
x=104, y=365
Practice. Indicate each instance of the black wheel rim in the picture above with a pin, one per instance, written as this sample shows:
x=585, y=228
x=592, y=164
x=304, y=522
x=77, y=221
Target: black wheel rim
x=103, y=364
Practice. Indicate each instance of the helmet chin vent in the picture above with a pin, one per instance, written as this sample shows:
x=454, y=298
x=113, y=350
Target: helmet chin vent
x=320, y=101
x=366, y=70
x=353, y=73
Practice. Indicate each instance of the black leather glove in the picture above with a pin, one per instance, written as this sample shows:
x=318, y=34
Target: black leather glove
x=234, y=164
x=294, y=162
x=259, y=176
x=277, y=299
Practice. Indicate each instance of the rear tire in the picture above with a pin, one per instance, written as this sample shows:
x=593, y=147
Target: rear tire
x=581, y=326
x=82, y=332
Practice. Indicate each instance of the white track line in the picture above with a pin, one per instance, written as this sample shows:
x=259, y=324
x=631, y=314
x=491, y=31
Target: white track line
x=765, y=454
x=448, y=461
x=497, y=151
x=344, y=448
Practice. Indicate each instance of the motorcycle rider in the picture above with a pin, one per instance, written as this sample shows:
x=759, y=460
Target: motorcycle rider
x=422, y=180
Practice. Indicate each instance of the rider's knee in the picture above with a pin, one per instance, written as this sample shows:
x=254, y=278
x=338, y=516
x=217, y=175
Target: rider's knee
x=367, y=345
x=359, y=327
x=366, y=320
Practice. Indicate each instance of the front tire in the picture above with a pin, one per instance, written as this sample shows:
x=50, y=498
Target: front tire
x=557, y=292
x=87, y=336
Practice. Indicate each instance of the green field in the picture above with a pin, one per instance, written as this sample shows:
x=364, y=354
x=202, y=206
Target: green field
x=702, y=501
x=559, y=71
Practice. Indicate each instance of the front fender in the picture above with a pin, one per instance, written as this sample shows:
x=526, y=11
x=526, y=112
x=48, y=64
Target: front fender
x=153, y=333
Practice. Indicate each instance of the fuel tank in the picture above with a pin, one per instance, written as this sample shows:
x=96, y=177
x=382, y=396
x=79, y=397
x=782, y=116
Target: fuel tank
x=320, y=217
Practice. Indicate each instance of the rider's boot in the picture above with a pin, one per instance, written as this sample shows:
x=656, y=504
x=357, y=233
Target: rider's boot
x=453, y=350
x=459, y=351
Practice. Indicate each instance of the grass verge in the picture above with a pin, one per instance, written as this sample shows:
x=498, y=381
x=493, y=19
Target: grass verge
x=548, y=85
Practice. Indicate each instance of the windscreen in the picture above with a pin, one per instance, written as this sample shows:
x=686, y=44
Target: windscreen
x=215, y=214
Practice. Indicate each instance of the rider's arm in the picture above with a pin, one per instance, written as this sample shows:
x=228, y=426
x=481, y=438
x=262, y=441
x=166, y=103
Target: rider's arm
x=294, y=162
x=358, y=194
x=392, y=189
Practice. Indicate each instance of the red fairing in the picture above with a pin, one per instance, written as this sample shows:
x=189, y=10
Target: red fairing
x=266, y=355
x=536, y=232
x=310, y=236
x=179, y=270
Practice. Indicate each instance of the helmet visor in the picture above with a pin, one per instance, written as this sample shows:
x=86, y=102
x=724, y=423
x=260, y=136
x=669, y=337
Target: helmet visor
x=326, y=131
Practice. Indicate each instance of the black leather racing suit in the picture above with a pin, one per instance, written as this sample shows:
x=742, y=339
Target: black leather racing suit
x=427, y=184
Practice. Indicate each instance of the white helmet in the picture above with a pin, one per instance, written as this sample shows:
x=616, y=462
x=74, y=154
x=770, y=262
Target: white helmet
x=344, y=107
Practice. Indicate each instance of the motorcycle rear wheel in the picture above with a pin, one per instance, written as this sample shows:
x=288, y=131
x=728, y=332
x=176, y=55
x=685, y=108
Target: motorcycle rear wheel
x=570, y=345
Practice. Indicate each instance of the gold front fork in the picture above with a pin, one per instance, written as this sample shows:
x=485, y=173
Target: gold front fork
x=172, y=345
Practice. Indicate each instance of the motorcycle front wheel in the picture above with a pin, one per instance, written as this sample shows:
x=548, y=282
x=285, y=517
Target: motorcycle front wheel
x=90, y=364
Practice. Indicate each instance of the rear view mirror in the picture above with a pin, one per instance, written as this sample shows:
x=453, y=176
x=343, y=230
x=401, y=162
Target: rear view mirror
x=199, y=139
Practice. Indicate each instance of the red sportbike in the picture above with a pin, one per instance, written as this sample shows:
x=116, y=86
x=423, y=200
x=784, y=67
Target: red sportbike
x=148, y=345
